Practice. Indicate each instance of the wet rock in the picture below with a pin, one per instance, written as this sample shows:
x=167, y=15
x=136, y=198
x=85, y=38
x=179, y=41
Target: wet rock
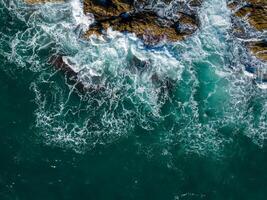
x=195, y=3
x=105, y=9
x=187, y=24
x=255, y=13
x=166, y=85
x=259, y=49
x=137, y=65
x=145, y=25
x=140, y=18
x=64, y=65
x=59, y=64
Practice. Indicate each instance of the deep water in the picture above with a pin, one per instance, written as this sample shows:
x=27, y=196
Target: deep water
x=187, y=124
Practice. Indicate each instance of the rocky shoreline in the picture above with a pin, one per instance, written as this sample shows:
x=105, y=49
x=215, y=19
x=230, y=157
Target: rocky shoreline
x=132, y=16
x=152, y=26
x=141, y=18
x=153, y=23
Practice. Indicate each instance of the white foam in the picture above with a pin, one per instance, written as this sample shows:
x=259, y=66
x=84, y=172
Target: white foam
x=262, y=86
x=79, y=16
x=203, y=58
x=71, y=64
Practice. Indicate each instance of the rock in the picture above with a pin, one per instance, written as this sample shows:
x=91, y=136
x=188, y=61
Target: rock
x=144, y=24
x=259, y=49
x=255, y=13
x=254, y=10
x=137, y=65
x=105, y=9
x=195, y=3
x=136, y=17
x=139, y=17
x=64, y=65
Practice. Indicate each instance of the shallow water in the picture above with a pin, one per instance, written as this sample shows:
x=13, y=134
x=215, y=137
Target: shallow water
x=187, y=124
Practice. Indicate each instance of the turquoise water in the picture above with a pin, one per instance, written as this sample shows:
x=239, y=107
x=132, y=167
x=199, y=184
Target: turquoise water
x=196, y=131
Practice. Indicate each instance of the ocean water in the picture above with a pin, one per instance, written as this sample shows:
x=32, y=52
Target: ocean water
x=173, y=121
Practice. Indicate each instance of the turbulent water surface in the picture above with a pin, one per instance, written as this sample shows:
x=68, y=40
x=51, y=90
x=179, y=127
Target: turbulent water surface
x=173, y=121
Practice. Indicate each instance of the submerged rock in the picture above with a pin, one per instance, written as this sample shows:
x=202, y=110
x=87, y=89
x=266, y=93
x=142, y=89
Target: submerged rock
x=74, y=78
x=254, y=12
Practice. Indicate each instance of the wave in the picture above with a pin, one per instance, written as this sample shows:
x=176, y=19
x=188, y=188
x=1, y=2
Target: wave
x=192, y=93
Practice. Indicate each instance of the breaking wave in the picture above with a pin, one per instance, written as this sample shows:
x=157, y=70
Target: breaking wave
x=191, y=93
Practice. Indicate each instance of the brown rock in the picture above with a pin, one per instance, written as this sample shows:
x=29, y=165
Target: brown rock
x=123, y=15
x=104, y=9
x=134, y=17
x=144, y=24
x=259, y=49
x=255, y=12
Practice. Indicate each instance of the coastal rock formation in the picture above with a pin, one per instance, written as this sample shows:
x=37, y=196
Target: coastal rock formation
x=254, y=12
x=141, y=18
x=149, y=22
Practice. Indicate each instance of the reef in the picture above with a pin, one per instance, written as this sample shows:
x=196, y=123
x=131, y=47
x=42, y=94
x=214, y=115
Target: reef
x=150, y=24
x=253, y=15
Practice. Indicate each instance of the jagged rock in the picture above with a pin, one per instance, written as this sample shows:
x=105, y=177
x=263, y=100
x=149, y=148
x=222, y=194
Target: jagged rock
x=255, y=12
x=67, y=69
x=105, y=9
x=259, y=49
x=136, y=17
x=144, y=24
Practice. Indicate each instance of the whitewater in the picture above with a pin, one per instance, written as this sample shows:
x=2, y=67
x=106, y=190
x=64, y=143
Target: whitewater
x=195, y=93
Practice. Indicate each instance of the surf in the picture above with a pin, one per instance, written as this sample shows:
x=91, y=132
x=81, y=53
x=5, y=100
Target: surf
x=187, y=92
